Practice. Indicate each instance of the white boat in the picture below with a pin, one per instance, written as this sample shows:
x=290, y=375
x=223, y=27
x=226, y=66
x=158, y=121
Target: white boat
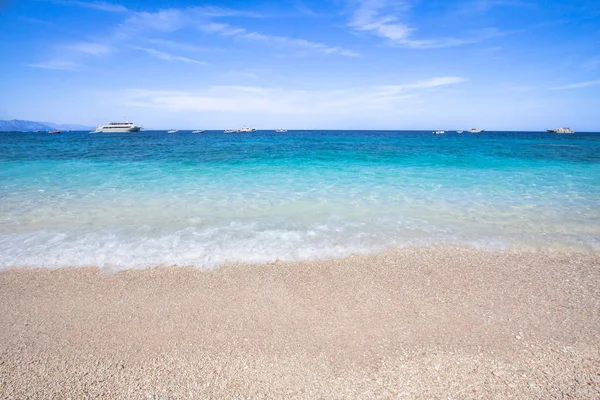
x=475, y=130
x=198, y=131
x=118, y=127
x=560, y=130
x=281, y=130
x=244, y=129
x=439, y=132
x=459, y=131
x=173, y=131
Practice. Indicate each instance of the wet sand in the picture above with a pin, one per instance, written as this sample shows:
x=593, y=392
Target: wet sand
x=414, y=323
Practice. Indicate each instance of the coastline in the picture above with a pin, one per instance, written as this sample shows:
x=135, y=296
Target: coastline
x=433, y=322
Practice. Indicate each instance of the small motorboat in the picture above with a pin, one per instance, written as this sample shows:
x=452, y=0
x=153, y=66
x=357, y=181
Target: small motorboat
x=56, y=132
x=198, y=131
x=173, y=131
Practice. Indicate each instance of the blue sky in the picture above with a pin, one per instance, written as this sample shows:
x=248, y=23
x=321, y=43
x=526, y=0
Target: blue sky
x=303, y=64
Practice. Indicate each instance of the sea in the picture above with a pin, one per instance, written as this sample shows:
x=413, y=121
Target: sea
x=149, y=199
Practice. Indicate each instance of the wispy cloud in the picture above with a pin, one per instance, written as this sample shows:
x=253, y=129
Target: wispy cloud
x=174, y=19
x=165, y=21
x=304, y=9
x=384, y=18
x=94, y=49
x=168, y=57
x=181, y=46
x=205, y=20
x=273, y=40
x=578, y=85
x=220, y=12
x=140, y=28
x=283, y=101
x=478, y=7
x=427, y=83
x=58, y=64
x=98, y=5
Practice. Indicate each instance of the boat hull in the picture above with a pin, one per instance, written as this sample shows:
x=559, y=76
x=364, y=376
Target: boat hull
x=118, y=130
x=563, y=131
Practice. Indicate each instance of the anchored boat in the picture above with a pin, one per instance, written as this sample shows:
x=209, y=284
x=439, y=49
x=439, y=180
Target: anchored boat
x=561, y=130
x=118, y=127
x=245, y=129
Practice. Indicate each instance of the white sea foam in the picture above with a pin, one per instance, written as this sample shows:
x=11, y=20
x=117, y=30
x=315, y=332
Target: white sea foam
x=170, y=230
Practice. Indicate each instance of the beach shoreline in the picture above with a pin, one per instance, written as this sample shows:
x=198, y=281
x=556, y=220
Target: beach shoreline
x=432, y=322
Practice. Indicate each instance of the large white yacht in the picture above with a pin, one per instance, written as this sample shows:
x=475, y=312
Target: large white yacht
x=245, y=129
x=561, y=130
x=118, y=127
x=475, y=130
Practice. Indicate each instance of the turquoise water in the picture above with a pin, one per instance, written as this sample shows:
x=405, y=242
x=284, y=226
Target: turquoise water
x=149, y=199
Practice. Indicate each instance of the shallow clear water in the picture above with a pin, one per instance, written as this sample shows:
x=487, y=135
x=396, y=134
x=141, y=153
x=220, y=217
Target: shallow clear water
x=147, y=199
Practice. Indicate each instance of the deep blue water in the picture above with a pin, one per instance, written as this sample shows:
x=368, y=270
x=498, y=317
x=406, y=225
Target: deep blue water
x=152, y=198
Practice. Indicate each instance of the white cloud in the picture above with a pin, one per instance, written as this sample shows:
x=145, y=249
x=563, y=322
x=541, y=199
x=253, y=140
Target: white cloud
x=167, y=21
x=478, y=7
x=239, y=99
x=57, y=64
x=219, y=12
x=578, y=85
x=174, y=19
x=203, y=18
x=276, y=41
x=187, y=47
x=383, y=18
x=98, y=5
x=95, y=49
x=168, y=57
x=101, y=5
x=368, y=16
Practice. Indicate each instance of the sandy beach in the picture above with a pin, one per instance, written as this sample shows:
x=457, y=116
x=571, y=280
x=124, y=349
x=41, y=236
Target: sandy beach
x=426, y=323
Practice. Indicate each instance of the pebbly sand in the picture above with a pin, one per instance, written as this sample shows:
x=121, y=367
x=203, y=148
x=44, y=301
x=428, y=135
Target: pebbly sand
x=415, y=323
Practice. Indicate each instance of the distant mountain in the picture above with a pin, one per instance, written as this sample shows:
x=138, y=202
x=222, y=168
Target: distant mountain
x=20, y=125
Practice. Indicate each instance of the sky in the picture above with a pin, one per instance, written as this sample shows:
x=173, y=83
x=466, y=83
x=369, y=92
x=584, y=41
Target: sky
x=303, y=64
